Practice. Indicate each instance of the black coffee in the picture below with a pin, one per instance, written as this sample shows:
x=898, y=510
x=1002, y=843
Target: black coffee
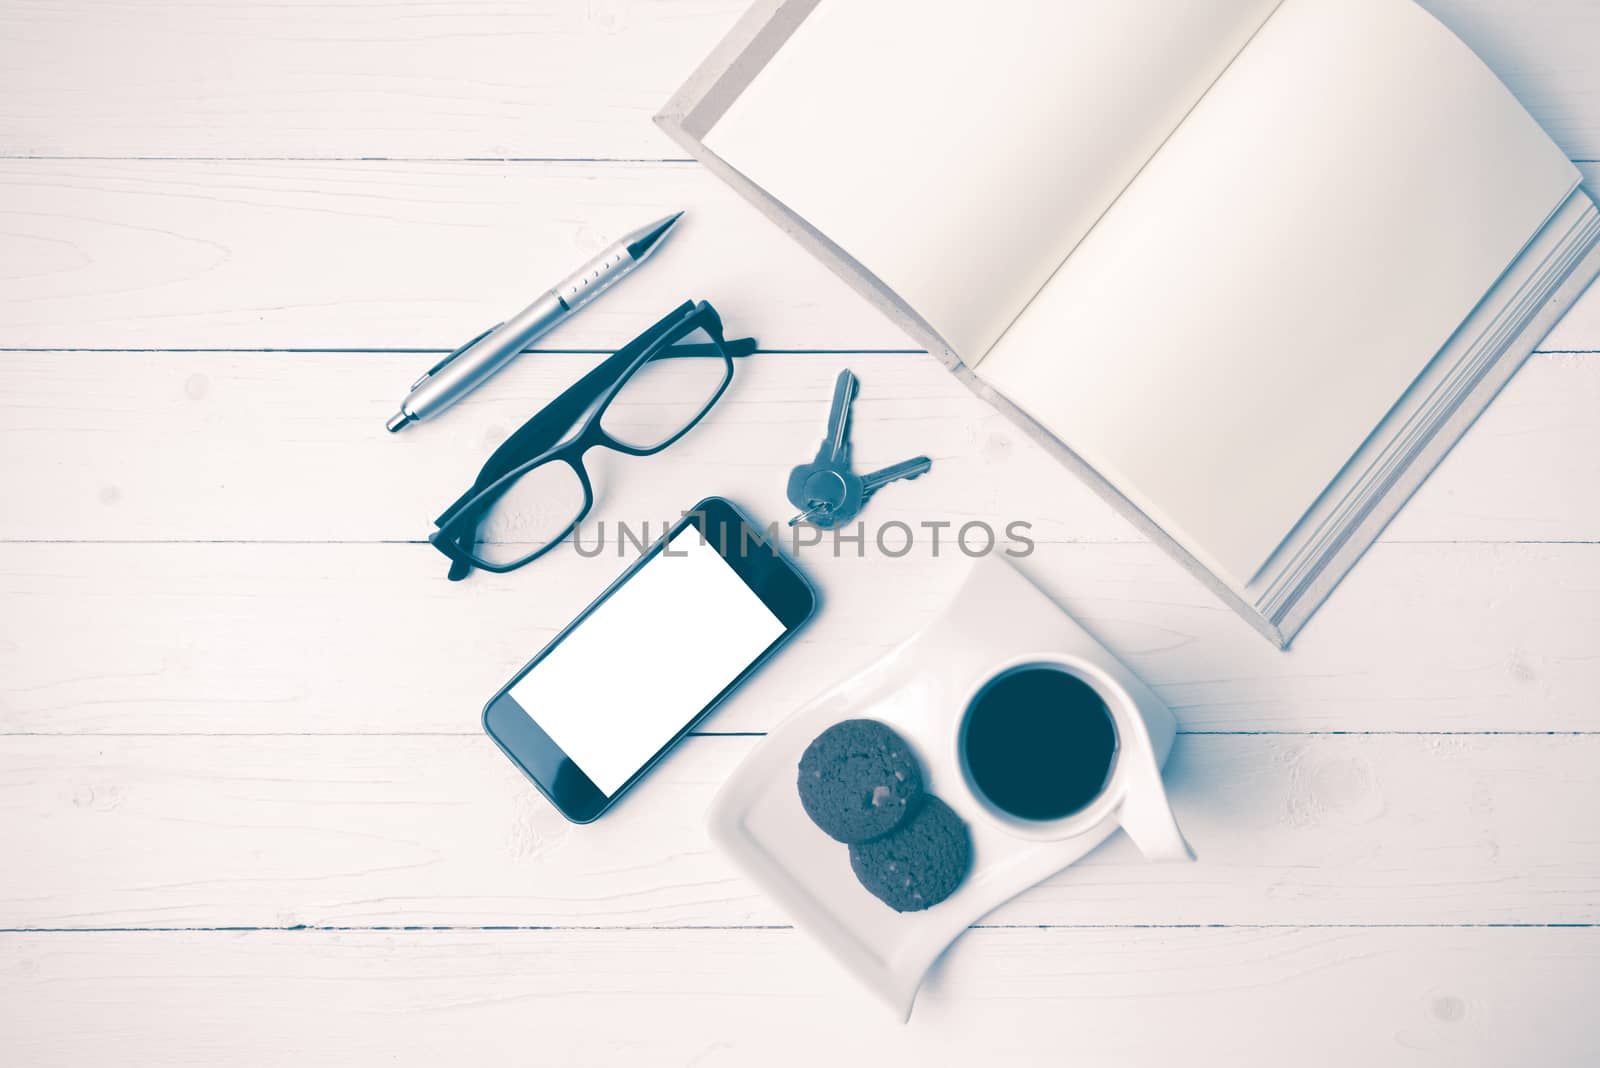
x=1039, y=743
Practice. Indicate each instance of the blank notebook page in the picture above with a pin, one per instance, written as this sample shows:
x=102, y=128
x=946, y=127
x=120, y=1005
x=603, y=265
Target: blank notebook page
x=1244, y=316
x=959, y=156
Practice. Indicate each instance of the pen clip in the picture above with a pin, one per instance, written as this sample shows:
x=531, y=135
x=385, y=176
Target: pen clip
x=436, y=368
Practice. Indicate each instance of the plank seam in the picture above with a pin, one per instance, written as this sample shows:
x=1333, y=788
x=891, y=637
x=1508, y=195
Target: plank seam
x=1098, y=542
x=763, y=734
x=410, y=928
x=33, y=158
x=25, y=158
x=324, y=351
x=378, y=351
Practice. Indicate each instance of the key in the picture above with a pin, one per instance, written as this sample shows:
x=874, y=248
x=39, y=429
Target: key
x=905, y=470
x=826, y=518
x=822, y=482
x=827, y=484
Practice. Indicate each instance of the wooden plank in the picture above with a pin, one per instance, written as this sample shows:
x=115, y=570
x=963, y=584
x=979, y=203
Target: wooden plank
x=365, y=78
x=373, y=254
x=403, y=831
x=474, y=79
x=373, y=639
x=1447, y=996
x=331, y=474
x=152, y=254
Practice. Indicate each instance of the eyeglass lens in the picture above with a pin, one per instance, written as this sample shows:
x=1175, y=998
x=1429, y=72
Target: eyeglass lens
x=661, y=399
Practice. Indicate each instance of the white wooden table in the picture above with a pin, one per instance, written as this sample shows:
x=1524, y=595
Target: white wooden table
x=246, y=813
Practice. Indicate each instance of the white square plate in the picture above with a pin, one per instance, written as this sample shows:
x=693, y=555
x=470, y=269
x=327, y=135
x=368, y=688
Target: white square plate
x=920, y=689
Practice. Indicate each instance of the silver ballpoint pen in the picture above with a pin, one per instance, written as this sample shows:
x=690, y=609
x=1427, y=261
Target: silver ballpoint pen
x=471, y=365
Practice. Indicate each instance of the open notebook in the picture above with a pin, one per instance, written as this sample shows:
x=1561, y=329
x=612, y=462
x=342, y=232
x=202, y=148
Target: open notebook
x=1250, y=266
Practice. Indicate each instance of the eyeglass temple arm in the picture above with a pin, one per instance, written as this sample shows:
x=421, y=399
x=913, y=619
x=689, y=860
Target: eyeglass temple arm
x=735, y=347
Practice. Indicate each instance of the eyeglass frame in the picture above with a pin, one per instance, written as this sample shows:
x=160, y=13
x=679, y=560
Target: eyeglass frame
x=571, y=423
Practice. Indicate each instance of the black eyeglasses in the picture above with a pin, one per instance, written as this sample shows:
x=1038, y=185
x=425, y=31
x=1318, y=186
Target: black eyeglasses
x=534, y=491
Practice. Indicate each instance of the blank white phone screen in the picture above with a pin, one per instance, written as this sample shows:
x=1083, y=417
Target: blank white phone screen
x=652, y=655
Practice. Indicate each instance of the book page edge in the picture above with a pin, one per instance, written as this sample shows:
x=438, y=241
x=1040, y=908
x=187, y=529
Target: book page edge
x=1124, y=507
x=1362, y=536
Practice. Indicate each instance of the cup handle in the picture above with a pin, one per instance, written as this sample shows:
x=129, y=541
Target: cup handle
x=1147, y=815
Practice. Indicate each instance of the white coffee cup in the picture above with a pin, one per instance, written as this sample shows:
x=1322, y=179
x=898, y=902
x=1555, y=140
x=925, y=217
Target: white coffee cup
x=1132, y=794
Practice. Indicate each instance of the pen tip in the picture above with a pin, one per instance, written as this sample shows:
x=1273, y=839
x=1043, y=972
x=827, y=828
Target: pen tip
x=397, y=422
x=645, y=240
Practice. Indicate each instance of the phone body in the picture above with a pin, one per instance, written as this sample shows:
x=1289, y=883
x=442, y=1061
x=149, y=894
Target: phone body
x=661, y=647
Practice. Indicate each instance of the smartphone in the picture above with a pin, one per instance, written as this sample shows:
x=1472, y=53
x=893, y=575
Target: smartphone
x=650, y=658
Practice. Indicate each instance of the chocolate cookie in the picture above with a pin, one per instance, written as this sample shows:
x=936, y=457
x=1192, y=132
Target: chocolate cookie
x=921, y=863
x=858, y=780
